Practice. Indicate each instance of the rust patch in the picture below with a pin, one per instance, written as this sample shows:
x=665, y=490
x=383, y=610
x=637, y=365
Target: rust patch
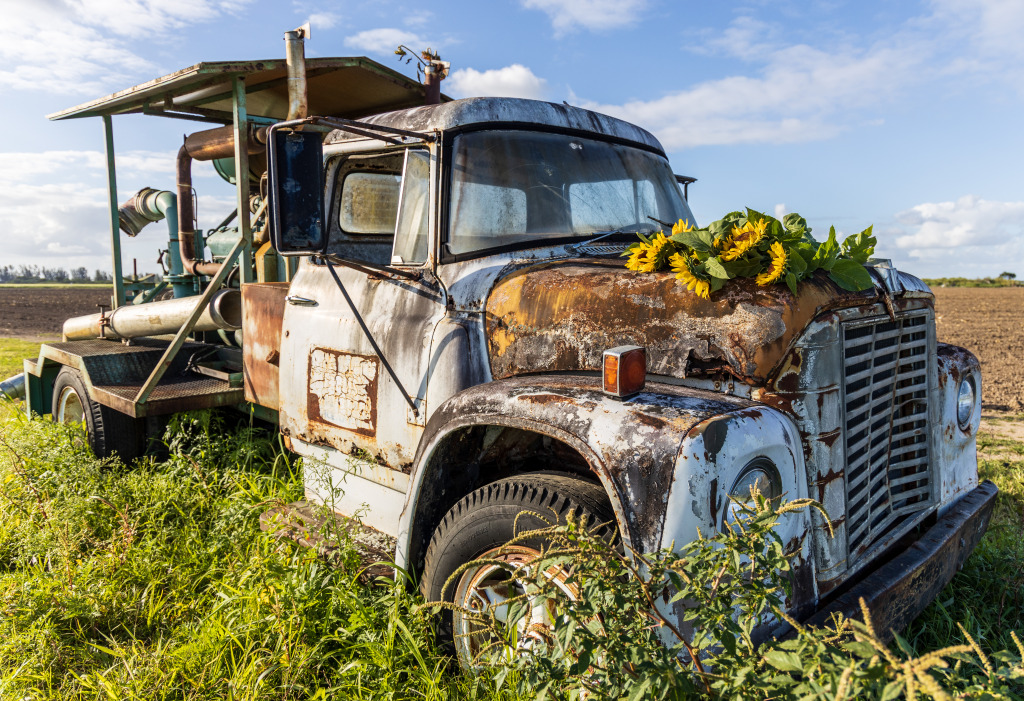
x=830, y=437
x=654, y=422
x=263, y=306
x=541, y=399
x=562, y=315
x=343, y=390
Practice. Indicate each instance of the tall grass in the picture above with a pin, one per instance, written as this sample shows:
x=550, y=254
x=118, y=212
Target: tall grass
x=155, y=582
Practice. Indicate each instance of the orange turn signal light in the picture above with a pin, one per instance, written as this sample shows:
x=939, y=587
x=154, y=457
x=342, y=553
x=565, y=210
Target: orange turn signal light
x=625, y=370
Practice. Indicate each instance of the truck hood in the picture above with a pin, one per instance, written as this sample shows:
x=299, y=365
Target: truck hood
x=562, y=315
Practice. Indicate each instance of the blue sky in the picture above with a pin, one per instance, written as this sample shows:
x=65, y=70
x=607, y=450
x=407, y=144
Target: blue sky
x=903, y=115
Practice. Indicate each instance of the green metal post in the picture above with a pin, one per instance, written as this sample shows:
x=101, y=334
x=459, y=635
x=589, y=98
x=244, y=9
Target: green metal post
x=241, y=123
x=115, y=229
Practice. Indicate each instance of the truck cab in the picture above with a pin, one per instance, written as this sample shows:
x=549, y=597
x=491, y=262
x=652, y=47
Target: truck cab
x=450, y=340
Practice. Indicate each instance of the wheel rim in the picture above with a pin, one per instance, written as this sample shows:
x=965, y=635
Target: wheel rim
x=69, y=407
x=491, y=586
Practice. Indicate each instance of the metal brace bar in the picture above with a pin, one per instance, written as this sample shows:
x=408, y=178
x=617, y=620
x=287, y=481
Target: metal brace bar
x=190, y=323
x=115, y=225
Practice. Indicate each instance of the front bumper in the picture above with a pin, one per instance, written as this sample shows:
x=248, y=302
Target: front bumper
x=901, y=587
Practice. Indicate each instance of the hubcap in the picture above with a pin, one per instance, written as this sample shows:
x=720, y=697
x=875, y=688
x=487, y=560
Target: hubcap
x=69, y=407
x=491, y=587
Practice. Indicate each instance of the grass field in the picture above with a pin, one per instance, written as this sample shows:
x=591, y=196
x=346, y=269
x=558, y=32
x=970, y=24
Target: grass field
x=155, y=582
x=12, y=352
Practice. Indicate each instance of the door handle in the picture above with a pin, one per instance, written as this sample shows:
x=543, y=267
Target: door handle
x=300, y=301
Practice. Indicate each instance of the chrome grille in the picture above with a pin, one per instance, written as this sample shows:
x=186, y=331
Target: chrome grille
x=885, y=388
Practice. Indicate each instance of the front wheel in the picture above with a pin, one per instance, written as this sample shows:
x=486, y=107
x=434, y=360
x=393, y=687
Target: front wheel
x=109, y=431
x=477, y=528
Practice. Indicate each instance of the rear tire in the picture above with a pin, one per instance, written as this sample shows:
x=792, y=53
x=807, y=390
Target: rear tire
x=109, y=431
x=484, y=521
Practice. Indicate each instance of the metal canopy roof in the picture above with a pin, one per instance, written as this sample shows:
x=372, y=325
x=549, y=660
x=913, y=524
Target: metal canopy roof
x=337, y=87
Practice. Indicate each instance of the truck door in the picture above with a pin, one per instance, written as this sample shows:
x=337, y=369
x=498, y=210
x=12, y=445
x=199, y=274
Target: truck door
x=339, y=405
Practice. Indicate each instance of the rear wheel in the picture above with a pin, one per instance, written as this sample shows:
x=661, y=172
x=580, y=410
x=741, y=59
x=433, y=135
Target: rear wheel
x=109, y=432
x=477, y=528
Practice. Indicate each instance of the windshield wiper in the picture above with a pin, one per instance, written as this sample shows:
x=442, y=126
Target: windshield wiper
x=601, y=235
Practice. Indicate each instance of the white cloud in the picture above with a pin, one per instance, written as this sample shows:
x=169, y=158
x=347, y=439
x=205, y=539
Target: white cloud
x=567, y=15
x=323, y=20
x=511, y=81
x=53, y=207
x=987, y=36
x=83, y=46
x=801, y=94
x=968, y=222
x=385, y=40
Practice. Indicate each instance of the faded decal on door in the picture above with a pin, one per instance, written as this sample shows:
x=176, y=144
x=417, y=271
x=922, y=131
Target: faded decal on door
x=343, y=390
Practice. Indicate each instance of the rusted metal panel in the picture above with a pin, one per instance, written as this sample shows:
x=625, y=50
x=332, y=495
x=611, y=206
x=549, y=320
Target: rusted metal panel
x=343, y=390
x=263, y=304
x=631, y=445
x=956, y=449
x=562, y=316
x=496, y=111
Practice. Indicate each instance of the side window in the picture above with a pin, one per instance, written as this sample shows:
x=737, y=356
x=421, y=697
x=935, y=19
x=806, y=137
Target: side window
x=411, y=233
x=369, y=203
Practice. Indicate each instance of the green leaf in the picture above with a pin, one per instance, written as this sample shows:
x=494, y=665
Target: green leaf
x=716, y=283
x=694, y=240
x=828, y=252
x=797, y=264
x=791, y=282
x=850, y=275
x=714, y=268
x=744, y=267
x=784, y=661
x=860, y=247
x=795, y=223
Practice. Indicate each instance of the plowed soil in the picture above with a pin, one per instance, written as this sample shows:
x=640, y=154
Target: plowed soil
x=39, y=312
x=988, y=321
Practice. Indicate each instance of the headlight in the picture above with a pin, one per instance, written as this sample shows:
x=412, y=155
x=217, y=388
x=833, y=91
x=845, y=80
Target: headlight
x=966, y=394
x=760, y=473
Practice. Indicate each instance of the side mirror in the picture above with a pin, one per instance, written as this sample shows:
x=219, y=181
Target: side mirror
x=296, y=173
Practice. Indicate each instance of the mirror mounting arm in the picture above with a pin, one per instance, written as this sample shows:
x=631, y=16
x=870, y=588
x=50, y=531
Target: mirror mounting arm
x=367, y=268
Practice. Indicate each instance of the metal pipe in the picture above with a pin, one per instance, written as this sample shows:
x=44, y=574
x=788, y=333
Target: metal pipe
x=13, y=387
x=157, y=318
x=186, y=220
x=212, y=144
x=432, y=77
x=295, y=57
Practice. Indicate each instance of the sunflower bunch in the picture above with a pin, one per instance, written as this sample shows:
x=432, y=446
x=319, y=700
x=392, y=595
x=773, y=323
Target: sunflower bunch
x=754, y=245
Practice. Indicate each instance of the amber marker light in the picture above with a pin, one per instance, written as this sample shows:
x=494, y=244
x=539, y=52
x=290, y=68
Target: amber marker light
x=625, y=370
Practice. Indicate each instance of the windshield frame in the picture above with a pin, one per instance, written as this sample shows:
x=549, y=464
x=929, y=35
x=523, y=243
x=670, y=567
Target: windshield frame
x=447, y=158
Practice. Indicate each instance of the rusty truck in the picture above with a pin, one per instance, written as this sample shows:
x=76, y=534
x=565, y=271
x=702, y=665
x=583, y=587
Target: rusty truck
x=427, y=296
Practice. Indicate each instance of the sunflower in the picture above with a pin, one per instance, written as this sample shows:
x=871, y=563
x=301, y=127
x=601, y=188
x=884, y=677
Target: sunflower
x=681, y=267
x=776, y=267
x=648, y=257
x=743, y=238
x=681, y=226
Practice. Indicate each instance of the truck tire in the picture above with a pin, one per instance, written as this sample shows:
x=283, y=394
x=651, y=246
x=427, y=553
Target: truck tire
x=484, y=521
x=109, y=432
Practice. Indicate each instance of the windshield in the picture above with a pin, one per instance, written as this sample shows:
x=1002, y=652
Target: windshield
x=520, y=188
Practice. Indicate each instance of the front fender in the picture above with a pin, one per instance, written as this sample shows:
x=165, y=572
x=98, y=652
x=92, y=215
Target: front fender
x=632, y=446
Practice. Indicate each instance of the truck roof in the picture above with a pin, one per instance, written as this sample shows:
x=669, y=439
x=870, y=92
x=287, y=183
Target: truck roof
x=338, y=87
x=508, y=111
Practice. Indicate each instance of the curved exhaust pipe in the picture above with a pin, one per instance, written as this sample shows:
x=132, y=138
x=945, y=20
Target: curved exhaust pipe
x=204, y=146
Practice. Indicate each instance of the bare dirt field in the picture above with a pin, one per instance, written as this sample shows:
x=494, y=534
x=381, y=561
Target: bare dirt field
x=39, y=312
x=989, y=322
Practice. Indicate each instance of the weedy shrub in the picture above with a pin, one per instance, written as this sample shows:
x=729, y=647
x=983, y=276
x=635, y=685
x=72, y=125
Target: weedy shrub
x=616, y=639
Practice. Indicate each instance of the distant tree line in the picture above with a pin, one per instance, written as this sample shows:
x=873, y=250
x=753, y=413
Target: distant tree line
x=40, y=273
